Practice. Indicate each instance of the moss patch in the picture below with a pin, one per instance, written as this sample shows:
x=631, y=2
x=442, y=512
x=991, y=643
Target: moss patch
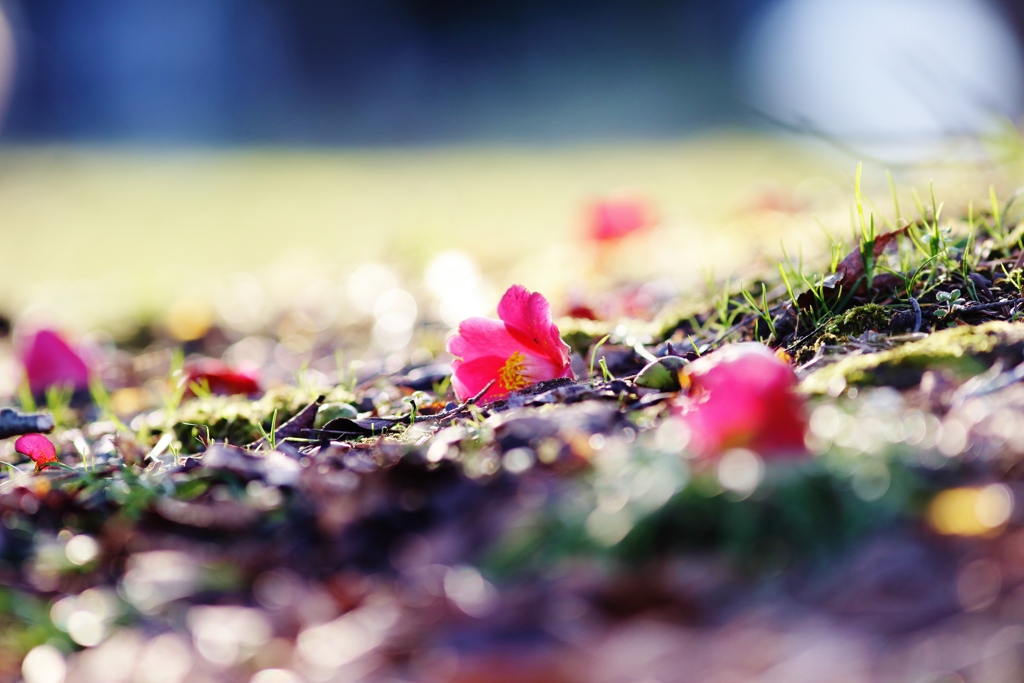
x=859, y=320
x=841, y=329
x=234, y=419
x=965, y=350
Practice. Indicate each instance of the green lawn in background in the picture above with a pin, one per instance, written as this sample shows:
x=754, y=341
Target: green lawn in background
x=91, y=235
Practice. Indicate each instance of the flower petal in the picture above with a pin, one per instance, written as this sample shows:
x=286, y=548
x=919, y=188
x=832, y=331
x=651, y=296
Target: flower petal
x=478, y=337
x=470, y=377
x=613, y=218
x=50, y=361
x=221, y=378
x=528, y=319
x=37, y=447
x=744, y=396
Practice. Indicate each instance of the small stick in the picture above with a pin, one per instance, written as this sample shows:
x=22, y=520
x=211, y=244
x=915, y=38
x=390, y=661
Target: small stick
x=459, y=408
x=990, y=306
x=13, y=423
x=917, y=314
x=1018, y=263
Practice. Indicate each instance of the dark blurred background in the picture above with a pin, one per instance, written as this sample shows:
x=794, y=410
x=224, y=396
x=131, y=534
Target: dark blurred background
x=370, y=71
x=380, y=71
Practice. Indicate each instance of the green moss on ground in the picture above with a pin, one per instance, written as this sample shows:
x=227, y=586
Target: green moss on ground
x=842, y=328
x=235, y=419
x=859, y=320
x=965, y=350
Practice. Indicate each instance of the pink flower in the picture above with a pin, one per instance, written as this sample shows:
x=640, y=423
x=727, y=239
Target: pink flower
x=521, y=349
x=49, y=361
x=37, y=447
x=743, y=396
x=613, y=218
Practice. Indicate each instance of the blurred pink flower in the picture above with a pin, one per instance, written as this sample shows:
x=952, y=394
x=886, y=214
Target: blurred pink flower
x=221, y=378
x=37, y=447
x=612, y=218
x=521, y=349
x=50, y=362
x=743, y=396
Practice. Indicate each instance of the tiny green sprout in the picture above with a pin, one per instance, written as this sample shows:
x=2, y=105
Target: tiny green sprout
x=1015, y=276
x=176, y=381
x=413, y=400
x=197, y=435
x=593, y=352
x=270, y=437
x=952, y=300
x=605, y=372
x=727, y=312
x=761, y=310
x=693, y=344
x=201, y=388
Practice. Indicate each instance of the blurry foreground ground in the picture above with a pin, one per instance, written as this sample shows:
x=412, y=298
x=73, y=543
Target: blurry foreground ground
x=577, y=532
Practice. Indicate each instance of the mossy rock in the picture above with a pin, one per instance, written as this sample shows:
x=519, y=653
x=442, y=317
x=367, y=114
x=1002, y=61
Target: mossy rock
x=859, y=320
x=235, y=419
x=842, y=328
x=965, y=350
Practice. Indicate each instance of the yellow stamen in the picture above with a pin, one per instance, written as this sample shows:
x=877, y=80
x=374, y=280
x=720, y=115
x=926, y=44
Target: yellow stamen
x=511, y=375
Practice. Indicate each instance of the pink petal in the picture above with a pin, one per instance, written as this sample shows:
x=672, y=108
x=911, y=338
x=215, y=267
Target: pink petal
x=744, y=396
x=528, y=319
x=469, y=378
x=37, y=447
x=478, y=337
x=50, y=361
x=612, y=219
x=222, y=379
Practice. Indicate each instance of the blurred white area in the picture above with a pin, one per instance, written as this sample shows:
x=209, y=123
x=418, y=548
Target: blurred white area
x=455, y=280
x=893, y=78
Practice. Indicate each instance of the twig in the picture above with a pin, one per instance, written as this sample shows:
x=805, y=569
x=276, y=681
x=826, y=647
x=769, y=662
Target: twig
x=801, y=340
x=457, y=409
x=917, y=314
x=990, y=306
x=13, y=423
x=1018, y=263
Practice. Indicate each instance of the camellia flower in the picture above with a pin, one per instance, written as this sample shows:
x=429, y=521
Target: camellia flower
x=521, y=349
x=51, y=362
x=37, y=447
x=743, y=396
x=221, y=378
x=613, y=218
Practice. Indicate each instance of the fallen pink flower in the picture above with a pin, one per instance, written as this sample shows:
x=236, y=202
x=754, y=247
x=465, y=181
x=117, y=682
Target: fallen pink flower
x=522, y=348
x=221, y=378
x=50, y=361
x=37, y=447
x=743, y=396
x=613, y=218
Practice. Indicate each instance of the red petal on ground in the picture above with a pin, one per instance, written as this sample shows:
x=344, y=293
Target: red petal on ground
x=37, y=447
x=221, y=378
x=50, y=361
x=743, y=396
x=613, y=218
